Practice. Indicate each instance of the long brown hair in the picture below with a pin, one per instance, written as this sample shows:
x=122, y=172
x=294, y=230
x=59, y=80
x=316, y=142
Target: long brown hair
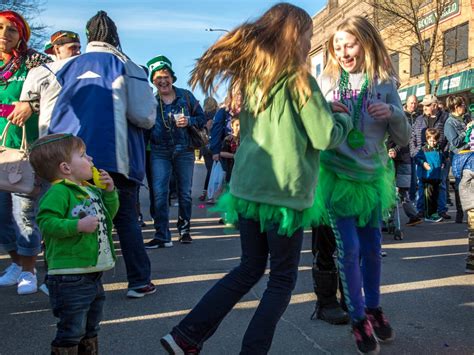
x=377, y=63
x=255, y=55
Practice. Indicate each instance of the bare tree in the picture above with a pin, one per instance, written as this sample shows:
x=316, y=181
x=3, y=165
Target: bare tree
x=30, y=10
x=413, y=22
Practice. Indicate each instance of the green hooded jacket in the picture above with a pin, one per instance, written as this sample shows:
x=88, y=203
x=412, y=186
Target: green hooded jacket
x=58, y=216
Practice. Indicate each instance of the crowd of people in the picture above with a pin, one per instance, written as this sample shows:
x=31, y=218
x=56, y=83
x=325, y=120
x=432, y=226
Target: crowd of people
x=333, y=154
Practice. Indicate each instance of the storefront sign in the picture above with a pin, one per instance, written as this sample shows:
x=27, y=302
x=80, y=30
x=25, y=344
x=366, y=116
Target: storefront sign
x=429, y=19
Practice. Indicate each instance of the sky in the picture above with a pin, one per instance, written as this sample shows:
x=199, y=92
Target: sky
x=176, y=29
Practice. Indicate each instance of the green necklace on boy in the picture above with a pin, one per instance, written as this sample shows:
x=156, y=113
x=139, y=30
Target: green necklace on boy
x=355, y=138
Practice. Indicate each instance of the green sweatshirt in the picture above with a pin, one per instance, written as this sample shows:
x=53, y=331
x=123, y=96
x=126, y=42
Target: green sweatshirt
x=59, y=212
x=10, y=94
x=277, y=162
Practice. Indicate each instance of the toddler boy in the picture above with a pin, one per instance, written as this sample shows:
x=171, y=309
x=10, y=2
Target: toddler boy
x=75, y=219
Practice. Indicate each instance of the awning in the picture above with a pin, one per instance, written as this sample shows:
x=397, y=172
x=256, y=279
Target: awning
x=450, y=84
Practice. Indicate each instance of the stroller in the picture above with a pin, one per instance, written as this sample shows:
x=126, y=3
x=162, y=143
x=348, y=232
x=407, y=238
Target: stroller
x=402, y=187
x=393, y=225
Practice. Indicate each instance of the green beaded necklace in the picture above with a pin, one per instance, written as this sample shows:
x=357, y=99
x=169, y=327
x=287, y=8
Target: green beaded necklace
x=355, y=138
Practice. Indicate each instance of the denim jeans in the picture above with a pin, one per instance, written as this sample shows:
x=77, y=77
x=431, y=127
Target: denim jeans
x=163, y=163
x=78, y=301
x=129, y=232
x=420, y=202
x=284, y=253
x=360, y=260
x=18, y=223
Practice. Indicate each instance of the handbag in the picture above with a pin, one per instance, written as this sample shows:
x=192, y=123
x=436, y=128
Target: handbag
x=16, y=172
x=197, y=137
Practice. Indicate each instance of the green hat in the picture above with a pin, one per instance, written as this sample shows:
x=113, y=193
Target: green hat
x=48, y=48
x=158, y=63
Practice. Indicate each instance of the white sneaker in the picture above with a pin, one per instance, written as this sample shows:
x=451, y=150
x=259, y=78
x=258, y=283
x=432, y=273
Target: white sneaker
x=27, y=283
x=44, y=288
x=11, y=275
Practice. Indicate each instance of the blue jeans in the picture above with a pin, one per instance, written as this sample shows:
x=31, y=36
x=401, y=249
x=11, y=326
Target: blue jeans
x=129, y=232
x=284, y=253
x=420, y=202
x=163, y=163
x=18, y=223
x=360, y=261
x=78, y=301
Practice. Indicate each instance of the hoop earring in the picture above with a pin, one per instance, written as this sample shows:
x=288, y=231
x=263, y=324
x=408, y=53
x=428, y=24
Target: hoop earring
x=18, y=44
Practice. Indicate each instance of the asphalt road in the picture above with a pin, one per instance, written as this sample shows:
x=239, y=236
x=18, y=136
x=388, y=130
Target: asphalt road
x=425, y=293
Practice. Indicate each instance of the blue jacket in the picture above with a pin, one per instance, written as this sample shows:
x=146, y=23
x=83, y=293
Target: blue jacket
x=102, y=97
x=165, y=134
x=220, y=129
x=418, y=129
x=432, y=156
x=455, y=132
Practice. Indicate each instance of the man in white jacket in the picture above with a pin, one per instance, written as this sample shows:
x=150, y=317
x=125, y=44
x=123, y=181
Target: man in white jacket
x=104, y=98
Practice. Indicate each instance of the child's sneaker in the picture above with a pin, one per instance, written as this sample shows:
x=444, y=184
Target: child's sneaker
x=27, y=283
x=141, y=292
x=11, y=275
x=364, y=336
x=174, y=344
x=434, y=218
x=383, y=330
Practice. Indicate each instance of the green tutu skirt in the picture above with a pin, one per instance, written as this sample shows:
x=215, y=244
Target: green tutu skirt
x=369, y=202
x=287, y=219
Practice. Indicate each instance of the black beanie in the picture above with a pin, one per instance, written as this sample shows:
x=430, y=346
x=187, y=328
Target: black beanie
x=101, y=28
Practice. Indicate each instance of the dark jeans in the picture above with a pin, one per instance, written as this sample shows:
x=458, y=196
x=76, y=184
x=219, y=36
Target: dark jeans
x=149, y=180
x=78, y=301
x=129, y=232
x=284, y=253
x=163, y=163
x=208, y=162
x=431, y=189
x=413, y=182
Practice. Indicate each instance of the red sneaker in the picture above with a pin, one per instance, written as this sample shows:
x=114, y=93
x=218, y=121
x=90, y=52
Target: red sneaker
x=174, y=344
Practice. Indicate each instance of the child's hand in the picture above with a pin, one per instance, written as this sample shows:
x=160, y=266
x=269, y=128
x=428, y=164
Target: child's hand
x=88, y=224
x=392, y=153
x=106, y=180
x=337, y=106
x=380, y=111
x=426, y=166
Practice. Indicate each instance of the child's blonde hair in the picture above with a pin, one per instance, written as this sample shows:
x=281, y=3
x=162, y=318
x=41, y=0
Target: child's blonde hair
x=258, y=54
x=48, y=152
x=377, y=63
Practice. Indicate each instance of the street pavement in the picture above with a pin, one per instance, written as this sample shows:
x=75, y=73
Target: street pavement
x=425, y=293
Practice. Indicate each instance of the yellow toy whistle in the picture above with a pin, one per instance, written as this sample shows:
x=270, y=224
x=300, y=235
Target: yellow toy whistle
x=96, y=178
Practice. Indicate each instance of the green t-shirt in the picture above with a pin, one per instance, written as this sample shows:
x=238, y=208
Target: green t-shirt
x=9, y=94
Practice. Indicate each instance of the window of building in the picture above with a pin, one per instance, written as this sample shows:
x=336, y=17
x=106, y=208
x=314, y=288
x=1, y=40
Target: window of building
x=395, y=58
x=455, y=43
x=416, y=60
x=318, y=70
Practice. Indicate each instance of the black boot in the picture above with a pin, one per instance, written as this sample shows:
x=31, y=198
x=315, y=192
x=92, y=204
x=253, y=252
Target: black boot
x=327, y=307
x=59, y=350
x=89, y=346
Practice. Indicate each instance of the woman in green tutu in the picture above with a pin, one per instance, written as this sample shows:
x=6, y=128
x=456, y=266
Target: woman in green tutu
x=356, y=185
